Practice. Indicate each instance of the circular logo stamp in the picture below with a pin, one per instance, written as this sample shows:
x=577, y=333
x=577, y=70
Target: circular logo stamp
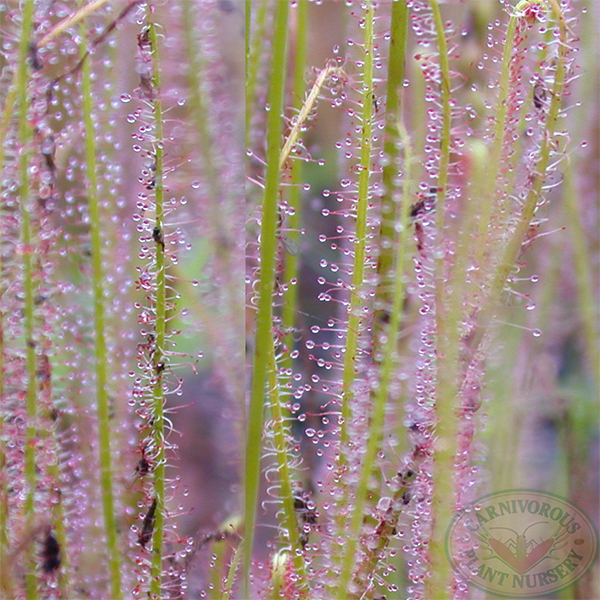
x=521, y=543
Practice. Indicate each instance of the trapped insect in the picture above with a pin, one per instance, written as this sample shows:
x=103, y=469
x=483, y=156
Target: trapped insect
x=375, y=103
x=148, y=525
x=307, y=515
x=290, y=246
x=33, y=58
x=143, y=39
x=406, y=479
x=151, y=183
x=157, y=236
x=540, y=95
x=143, y=467
x=50, y=553
x=424, y=204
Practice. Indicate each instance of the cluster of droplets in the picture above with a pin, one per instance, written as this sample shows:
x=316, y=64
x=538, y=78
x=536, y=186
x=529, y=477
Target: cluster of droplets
x=316, y=427
x=327, y=344
x=420, y=411
x=58, y=492
x=529, y=84
x=431, y=246
x=152, y=238
x=318, y=421
x=156, y=366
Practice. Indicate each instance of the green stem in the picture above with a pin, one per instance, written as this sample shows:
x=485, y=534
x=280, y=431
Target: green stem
x=101, y=359
x=289, y=522
x=502, y=438
x=292, y=263
x=446, y=116
x=233, y=566
x=392, y=210
x=389, y=203
x=509, y=252
x=385, y=528
x=254, y=47
x=438, y=585
x=513, y=247
x=291, y=267
x=219, y=553
x=443, y=501
x=25, y=138
x=362, y=201
x=226, y=559
x=247, y=27
x=358, y=270
x=5, y=579
x=4, y=510
x=493, y=201
x=268, y=252
x=388, y=365
x=279, y=568
x=158, y=399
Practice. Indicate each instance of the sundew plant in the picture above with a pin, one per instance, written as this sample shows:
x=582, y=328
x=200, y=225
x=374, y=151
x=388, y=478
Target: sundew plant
x=288, y=388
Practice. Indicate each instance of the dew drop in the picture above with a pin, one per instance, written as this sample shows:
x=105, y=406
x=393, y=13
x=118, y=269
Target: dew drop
x=125, y=98
x=536, y=333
